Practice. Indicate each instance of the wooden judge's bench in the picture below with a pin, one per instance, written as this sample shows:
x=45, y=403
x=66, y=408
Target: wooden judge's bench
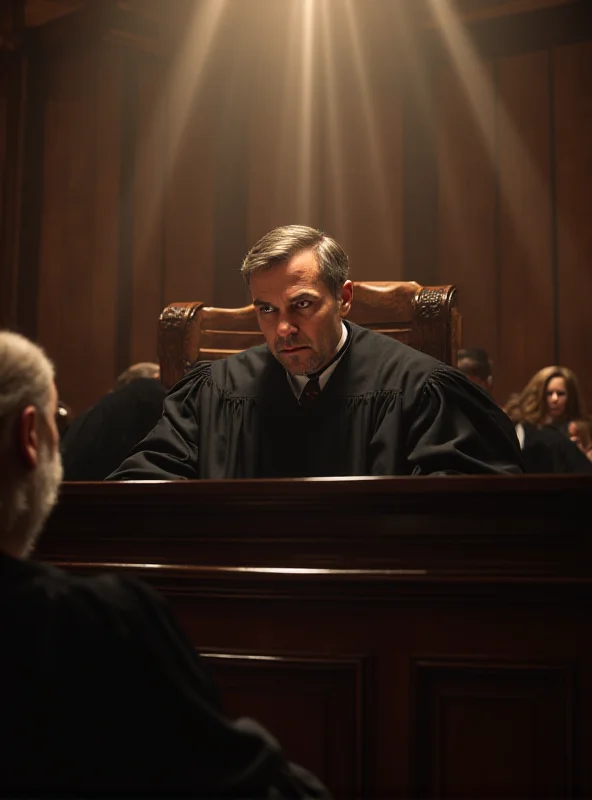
x=402, y=638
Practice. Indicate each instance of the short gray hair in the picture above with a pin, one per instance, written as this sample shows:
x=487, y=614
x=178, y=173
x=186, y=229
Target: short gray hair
x=26, y=377
x=143, y=369
x=281, y=244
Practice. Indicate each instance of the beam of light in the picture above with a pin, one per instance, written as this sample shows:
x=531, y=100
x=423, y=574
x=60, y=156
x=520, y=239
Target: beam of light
x=482, y=102
x=291, y=118
x=306, y=112
x=415, y=68
x=168, y=123
x=336, y=153
x=378, y=175
x=191, y=66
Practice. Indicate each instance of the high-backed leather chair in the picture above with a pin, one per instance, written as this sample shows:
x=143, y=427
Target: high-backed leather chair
x=424, y=317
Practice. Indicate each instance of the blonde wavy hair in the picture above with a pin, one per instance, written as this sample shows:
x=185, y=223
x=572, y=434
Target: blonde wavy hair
x=532, y=400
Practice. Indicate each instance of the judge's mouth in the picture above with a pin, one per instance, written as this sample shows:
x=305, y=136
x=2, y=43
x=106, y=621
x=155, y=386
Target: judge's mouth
x=292, y=350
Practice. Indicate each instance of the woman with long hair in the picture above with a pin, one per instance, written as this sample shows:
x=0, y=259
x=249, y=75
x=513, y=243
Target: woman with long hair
x=542, y=413
x=552, y=397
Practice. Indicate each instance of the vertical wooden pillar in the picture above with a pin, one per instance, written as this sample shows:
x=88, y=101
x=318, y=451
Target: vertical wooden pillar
x=91, y=256
x=12, y=21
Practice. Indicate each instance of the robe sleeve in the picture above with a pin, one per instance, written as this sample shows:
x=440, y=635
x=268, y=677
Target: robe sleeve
x=170, y=451
x=455, y=428
x=209, y=755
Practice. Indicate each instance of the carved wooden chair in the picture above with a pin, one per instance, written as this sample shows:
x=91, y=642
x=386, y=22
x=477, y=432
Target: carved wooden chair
x=424, y=317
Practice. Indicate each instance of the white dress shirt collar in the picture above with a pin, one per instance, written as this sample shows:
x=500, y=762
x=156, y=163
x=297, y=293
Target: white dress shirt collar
x=298, y=382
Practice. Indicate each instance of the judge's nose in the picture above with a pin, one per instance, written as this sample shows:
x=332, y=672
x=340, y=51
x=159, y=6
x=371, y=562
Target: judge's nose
x=285, y=329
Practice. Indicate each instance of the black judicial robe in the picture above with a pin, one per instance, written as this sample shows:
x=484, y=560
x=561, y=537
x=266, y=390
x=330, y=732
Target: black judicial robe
x=102, y=694
x=387, y=409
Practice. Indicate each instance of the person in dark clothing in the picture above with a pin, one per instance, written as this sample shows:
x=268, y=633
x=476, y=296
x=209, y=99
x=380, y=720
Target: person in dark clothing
x=476, y=365
x=546, y=450
x=323, y=397
x=98, y=440
x=103, y=695
x=552, y=397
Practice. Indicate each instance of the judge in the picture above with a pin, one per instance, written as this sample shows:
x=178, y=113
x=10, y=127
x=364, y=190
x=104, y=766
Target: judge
x=102, y=693
x=322, y=397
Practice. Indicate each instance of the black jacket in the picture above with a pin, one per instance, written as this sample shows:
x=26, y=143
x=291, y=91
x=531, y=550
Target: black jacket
x=102, y=693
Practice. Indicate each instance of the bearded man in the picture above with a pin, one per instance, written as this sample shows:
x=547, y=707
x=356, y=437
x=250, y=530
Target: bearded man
x=102, y=692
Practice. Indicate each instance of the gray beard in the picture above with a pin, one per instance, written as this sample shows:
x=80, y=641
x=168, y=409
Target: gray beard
x=27, y=503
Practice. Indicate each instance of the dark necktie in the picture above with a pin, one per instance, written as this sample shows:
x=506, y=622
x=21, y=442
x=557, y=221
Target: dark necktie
x=310, y=392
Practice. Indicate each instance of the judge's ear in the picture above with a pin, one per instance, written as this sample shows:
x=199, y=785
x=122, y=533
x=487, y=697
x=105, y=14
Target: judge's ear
x=28, y=436
x=345, y=298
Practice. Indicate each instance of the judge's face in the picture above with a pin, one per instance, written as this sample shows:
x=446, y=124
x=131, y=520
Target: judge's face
x=298, y=314
x=556, y=397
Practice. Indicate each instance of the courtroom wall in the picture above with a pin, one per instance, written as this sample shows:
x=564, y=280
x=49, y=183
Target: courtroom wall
x=506, y=187
x=159, y=147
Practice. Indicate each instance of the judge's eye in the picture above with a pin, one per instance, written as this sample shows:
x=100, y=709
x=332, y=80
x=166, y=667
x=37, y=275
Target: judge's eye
x=302, y=303
x=266, y=309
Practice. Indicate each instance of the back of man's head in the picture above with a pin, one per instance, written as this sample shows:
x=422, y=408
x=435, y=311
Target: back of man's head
x=143, y=369
x=476, y=365
x=30, y=465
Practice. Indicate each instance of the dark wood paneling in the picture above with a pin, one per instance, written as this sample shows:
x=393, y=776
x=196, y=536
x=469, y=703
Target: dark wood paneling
x=91, y=280
x=392, y=621
x=515, y=718
x=12, y=102
x=539, y=25
x=188, y=183
x=419, y=173
x=327, y=692
x=147, y=191
x=525, y=322
x=573, y=125
x=105, y=195
x=467, y=197
x=78, y=286
x=512, y=176
x=125, y=112
x=230, y=190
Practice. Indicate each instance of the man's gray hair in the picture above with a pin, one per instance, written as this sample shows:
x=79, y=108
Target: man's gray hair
x=26, y=496
x=26, y=378
x=281, y=244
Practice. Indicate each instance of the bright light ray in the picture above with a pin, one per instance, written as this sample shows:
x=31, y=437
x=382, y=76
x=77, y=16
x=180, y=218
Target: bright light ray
x=377, y=174
x=177, y=101
x=306, y=112
x=482, y=100
x=293, y=146
x=190, y=69
x=336, y=151
x=414, y=67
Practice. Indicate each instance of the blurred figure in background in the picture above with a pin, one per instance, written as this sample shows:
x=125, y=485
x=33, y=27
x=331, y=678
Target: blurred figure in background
x=552, y=397
x=476, y=364
x=541, y=414
x=98, y=440
x=143, y=369
x=580, y=432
